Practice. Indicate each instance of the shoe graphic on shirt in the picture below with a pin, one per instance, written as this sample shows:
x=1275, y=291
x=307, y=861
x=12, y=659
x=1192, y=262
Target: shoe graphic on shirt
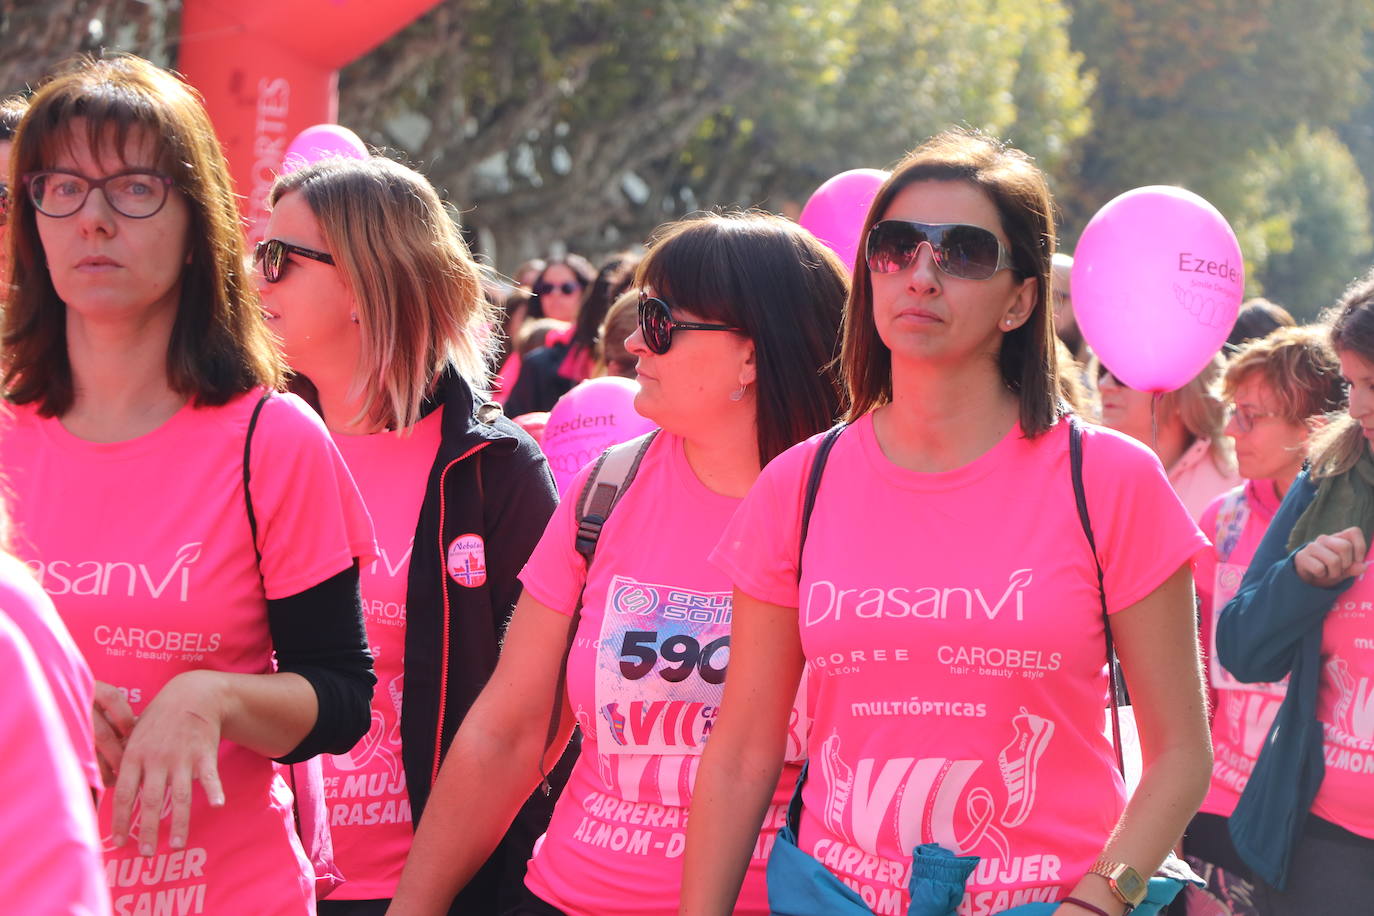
x=616, y=720
x=1338, y=670
x=839, y=782
x=1019, y=762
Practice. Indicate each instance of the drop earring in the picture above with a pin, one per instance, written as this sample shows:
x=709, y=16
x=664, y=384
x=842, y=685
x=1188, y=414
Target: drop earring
x=738, y=394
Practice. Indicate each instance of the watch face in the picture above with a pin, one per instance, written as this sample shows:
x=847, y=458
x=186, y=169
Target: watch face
x=1131, y=886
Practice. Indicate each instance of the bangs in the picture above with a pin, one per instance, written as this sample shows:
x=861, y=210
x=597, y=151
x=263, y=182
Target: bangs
x=691, y=266
x=119, y=114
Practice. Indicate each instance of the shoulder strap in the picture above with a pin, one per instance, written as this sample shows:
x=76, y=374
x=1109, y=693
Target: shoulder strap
x=615, y=470
x=1080, y=497
x=813, y=485
x=247, y=493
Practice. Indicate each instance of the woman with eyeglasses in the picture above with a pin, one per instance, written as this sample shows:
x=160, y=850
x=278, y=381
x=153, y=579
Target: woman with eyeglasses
x=1279, y=389
x=738, y=319
x=378, y=304
x=945, y=609
x=565, y=358
x=136, y=366
x=1184, y=428
x=1304, y=822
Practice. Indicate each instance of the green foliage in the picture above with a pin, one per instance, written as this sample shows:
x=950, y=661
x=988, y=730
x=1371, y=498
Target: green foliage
x=1311, y=235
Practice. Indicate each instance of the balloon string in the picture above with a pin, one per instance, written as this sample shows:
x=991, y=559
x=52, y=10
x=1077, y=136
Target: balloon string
x=1154, y=420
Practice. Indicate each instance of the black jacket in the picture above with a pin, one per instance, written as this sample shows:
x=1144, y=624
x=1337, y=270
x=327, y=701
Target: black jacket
x=489, y=479
x=539, y=386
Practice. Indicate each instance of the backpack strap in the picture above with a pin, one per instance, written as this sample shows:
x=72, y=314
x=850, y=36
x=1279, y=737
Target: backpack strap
x=813, y=485
x=247, y=493
x=1080, y=497
x=612, y=475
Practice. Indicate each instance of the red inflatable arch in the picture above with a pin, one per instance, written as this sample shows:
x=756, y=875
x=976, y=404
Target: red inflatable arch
x=270, y=68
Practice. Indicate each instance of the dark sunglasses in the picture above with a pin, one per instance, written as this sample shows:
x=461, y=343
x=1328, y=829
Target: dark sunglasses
x=657, y=325
x=271, y=254
x=960, y=250
x=567, y=288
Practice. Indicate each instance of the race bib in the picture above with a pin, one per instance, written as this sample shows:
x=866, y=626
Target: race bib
x=660, y=670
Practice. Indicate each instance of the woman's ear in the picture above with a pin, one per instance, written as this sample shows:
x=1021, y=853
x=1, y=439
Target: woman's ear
x=749, y=371
x=1023, y=303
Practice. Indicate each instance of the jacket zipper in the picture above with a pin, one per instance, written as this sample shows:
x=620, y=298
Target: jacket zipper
x=444, y=631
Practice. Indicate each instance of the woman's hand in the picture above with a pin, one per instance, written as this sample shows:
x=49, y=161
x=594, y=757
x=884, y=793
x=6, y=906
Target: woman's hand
x=174, y=743
x=113, y=721
x=1330, y=559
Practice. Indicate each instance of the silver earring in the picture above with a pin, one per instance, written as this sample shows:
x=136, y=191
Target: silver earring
x=353, y=318
x=737, y=394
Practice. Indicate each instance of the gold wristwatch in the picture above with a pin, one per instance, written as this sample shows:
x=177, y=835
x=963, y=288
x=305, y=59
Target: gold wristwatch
x=1125, y=882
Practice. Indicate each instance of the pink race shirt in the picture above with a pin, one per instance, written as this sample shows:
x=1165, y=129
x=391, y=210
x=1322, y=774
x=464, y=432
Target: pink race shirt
x=1241, y=713
x=145, y=549
x=957, y=662
x=69, y=677
x=366, y=788
x=1345, y=707
x=645, y=679
x=49, y=847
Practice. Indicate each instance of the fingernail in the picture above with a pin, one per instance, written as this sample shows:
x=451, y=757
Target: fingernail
x=146, y=849
x=118, y=839
x=177, y=842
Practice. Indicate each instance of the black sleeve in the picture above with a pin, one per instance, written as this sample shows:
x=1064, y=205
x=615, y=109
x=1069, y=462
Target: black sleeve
x=319, y=634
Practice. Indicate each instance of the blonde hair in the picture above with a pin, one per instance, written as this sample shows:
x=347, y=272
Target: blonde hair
x=1298, y=366
x=1203, y=411
x=1350, y=324
x=420, y=305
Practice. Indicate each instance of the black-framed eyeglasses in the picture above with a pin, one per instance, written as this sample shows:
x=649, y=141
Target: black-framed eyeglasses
x=960, y=250
x=567, y=288
x=657, y=325
x=271, y=255
x=135, y=193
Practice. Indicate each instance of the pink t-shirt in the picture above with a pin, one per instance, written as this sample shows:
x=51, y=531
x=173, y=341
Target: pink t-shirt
x=1345, y=707
x=69, y=677
x=645, y=679
x=49, y=846
x=144, y=547
x=953, y=635
x=1241, y=713
x=366, y=788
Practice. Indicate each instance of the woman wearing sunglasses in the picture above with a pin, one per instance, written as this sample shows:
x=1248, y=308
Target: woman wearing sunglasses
x=136, y=364
x=377, y=303
x=566, y=358
x=738, y=322
x=946, y=610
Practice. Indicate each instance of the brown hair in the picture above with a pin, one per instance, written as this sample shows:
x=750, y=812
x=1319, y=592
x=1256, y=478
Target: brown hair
x=219, y=346
x=612, y=356
x=12, y=110
x=770, y=277
x=1298, y=366
x=1019, y=191
x=421, y=307
x=1350, y=323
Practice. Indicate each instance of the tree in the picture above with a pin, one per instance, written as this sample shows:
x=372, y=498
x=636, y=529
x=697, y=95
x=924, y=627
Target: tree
x=1187, y=89
x=590, y=122
x=1315, y=226
x=37, y=35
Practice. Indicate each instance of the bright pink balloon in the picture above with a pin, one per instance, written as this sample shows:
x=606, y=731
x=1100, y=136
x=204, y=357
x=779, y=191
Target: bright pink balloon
x=323, y=141
x=1157, y=281
x=586, y=421
x=835, y=213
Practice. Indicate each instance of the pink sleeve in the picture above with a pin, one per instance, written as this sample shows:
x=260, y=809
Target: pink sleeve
x=1143, y=532
x=49, y=844
x=758, y=550
x=68, y=675
x=311, y=519
x=555, y=572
